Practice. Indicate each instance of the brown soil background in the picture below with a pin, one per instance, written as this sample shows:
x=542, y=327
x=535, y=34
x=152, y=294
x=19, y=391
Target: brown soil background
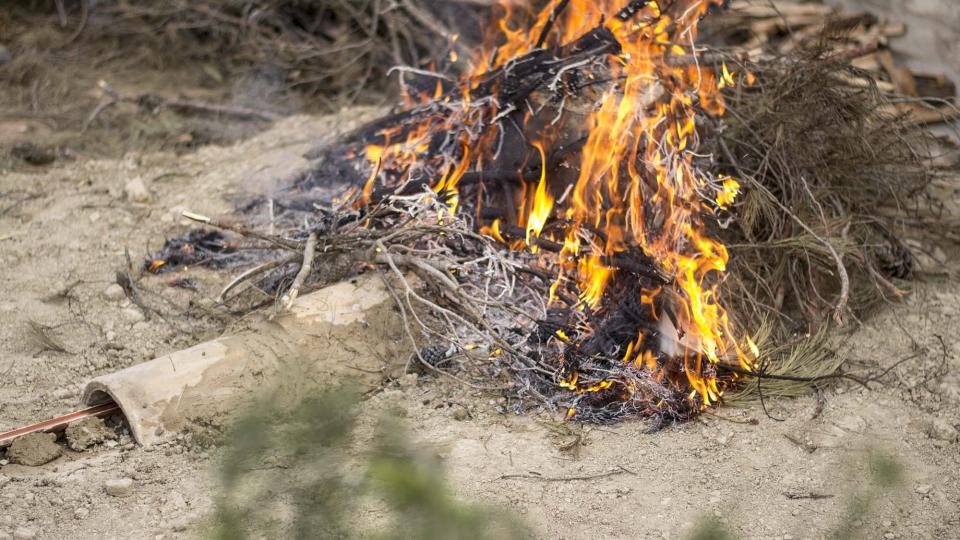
x=64, y=232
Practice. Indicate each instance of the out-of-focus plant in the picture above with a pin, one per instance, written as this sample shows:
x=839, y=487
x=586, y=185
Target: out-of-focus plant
x=884, y=478
x=298, y=473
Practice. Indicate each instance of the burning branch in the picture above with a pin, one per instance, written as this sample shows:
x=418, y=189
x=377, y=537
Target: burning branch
x=564, y=213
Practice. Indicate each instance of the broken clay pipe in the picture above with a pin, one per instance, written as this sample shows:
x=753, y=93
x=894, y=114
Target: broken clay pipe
x=346, y=331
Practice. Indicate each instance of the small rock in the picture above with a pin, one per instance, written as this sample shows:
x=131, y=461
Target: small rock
x=408, y=381
x=924, y=489
x=5, y=55
x=34, y=154
x=940, y=429
x=132, y=315
x=180, y=524
x=23, y=533
x=460, y=413
x=114, y=292
x=889, y=536
x=86, y=433
x=136, y=191
x=140, y=328
x=121, y=487
x=81, y=513
x=35, y=449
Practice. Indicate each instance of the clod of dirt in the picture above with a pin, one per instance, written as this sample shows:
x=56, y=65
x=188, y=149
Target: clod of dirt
x=132, y=315
x=87, y=432
x=120, y=487
x=136, y=191
x=460, y=413
x=114, y=292
x=23, y=533
x=34, y=449
x=33, y=154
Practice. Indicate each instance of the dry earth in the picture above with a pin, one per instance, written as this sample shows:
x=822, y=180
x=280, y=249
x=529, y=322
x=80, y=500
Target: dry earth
x=65, y=230
x=66, y=234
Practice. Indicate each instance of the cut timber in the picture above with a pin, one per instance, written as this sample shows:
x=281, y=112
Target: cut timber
x=344, y=333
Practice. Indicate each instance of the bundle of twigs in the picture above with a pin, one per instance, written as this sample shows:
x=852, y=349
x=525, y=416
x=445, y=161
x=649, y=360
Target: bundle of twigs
x=336, y=51
x=831, y=174
x=828, y=175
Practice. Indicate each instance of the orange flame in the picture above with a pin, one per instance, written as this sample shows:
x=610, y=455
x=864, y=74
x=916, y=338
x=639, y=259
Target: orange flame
x=637, y=182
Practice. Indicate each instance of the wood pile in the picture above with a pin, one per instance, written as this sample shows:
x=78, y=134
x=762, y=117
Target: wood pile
x=761, y=30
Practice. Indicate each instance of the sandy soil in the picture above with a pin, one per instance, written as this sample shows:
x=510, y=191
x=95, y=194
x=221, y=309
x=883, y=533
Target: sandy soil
x=71, y=224
x=66, y=229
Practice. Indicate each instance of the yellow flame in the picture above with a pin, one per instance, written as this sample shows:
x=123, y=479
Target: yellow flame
x=542, y=200
x=728, y=193
x=637, y=184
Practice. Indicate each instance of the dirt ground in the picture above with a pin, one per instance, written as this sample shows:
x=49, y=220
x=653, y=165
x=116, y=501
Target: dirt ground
x=66, y=229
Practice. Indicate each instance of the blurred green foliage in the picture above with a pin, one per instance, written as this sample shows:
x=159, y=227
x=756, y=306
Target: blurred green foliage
x=297, y=473
x=885, y=476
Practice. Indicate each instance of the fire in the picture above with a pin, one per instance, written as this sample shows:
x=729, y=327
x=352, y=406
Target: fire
x=637, y=187
x=542, y=201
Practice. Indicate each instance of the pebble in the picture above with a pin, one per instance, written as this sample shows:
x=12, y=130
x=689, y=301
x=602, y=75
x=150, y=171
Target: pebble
x=81, y=513
x=460, y=413
x=924, y=489
x=940, y=429
x=121, y=487
x=5, y=55
x=23, y=533
x=136, y=191
x=114, y=292
x=132, y=315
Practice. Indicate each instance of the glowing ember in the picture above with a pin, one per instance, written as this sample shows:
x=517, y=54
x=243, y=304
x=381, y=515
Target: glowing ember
x=633, y=192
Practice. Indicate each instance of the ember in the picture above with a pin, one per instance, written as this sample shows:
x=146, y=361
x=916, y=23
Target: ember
x=198, y=247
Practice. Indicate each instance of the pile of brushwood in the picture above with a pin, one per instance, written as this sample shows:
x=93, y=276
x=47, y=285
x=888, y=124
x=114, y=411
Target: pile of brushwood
x=335, y=52
x=828, y=177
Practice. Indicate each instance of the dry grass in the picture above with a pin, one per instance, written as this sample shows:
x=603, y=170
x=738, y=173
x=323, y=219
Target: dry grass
x=830, y=179
x=335, y=52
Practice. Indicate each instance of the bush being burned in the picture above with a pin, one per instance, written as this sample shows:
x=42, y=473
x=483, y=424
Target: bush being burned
x=560, y=213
